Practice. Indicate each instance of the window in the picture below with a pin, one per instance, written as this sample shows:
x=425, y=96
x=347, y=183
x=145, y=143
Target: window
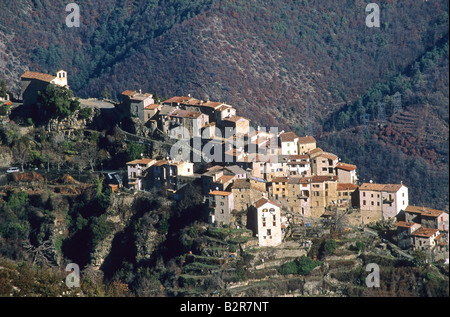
x=364, y=194
x=372, y=203
x=364, y=202
x=371, y=195
x=222, y=211
x=269, y=232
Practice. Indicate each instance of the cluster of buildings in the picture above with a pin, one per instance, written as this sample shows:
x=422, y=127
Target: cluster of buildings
x=266, y=180
x=296, y=179
x=424, y=229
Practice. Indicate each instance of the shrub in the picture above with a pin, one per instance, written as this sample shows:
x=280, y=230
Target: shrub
x=304, y=265
x=329, y=246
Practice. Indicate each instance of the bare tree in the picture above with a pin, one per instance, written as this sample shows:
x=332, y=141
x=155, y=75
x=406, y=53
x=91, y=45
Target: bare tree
x=43, y=254
x=21, y=153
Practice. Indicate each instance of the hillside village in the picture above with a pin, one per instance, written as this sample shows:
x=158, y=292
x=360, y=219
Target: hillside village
x=263, y=180
x=305, y=182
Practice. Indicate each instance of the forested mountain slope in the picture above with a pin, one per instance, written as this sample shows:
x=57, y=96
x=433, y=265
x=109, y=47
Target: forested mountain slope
x=270, y=59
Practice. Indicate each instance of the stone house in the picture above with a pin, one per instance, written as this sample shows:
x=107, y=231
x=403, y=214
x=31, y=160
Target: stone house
x=323, y=164
x=404, y=230
x=323, y=194
x=382, y=201
x=425, y=239
x=167, y=175
x=264, y=218
x=348, y=195
x=428, y=217
x=33, y=82
x=221, y=204
x=136, y=171
x=299, y=165
x=346, y=173
x=246, y=192
x=306, y=144
x=134, y=103
x=289, y=143
x=215, y=179
x=298, y=192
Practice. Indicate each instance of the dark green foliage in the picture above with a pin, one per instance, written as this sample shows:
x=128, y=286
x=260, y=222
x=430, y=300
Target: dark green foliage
x=329, y=246
x=3, y=88
x=85, y=113
x=134, y=151
x=303, y=266
x=56, y=102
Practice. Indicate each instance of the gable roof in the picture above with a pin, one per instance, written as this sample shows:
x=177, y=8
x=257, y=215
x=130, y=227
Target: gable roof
x=263, y=201
x=306, y=139
x=346, y=186
x=288, y=137
x=345, y=166
x=219, y=193
x=424, y=211
x=381, y=187
x=39, y=76
x=177, y=99
x=424, y=232
x=144, y=161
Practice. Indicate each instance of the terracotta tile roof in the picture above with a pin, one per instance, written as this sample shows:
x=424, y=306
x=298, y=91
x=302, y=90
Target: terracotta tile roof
x=306, y=139
x=392, y=187
x=405, y=224
x=295, y=180
x=288, y=137
x=280, y=180
x=144, y=161
x=212, y=104
x=346, y=186
x=180, y=113
x=38, y=76
x=424, y=211
x=346, y=167
x=298, y=157
x=424, y=232
x=234, y=118
x=315, y=152
x=242, y=183
x=381, y=187
x=263, y=201
x=329, y=156
x=225, y=179
x=177, y=99
x=321, y=179
x=220, y=193
x=152, y=107
x=129, y=92
x=160, y=163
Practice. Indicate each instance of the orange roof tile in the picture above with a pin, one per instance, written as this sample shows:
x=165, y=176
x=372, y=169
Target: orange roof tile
x=346, y=186
x=424, y=232
x=220, y=193
x=263, y=201
x=345, y=166
x=306, y=139
x=39, y=76
x=288, y=137
x=424, y=211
